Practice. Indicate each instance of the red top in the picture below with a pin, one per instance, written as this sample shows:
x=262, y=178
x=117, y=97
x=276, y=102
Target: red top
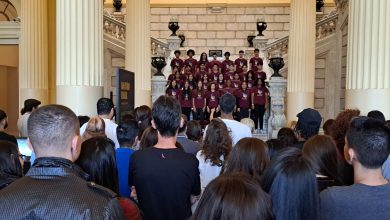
x=260, y=75
x=212, y=63
x=250, y=83
x=228, y=75
x=236, y=84
x=259, y=95
x=212, y=99
x=239, y=62
x=192, y=62
x=228, y=90
x=226, y=64
x=173, y=92
x=199, y=98
x=130, y=210
x=254, y=61
x=177, y=62
x=243, y=97
x=186, y=99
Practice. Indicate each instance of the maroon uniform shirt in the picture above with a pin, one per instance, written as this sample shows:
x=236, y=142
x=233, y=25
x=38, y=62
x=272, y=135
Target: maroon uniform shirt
x=259, y=95
x=239, y=62
x=236, y=84
x=260, y=75
x=253, y=63
x=212, y=99
x=243, y=97
x=174, y=93
x=213, y=62
x=199, y=98
x=192, y=62
x=186, y=98
x=226, y=64
x=177, y=62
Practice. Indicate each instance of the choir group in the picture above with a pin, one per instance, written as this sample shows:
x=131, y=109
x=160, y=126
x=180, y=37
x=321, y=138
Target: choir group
x=199, y=84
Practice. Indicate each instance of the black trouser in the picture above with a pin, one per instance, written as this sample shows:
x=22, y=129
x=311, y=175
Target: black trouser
x=186, y=111
x=258, y=115
x=198, y=114
x=244, y=113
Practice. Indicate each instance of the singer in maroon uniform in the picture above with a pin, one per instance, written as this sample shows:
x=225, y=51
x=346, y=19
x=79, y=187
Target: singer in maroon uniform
x=173, y=90
x=259, y=102
x=226, y=63
x=240, y=61
x=186, y=99
x=179, y=63
x=255, y=60
x=215, y=62
x=191, y=61
x=199, y=102
x=243, y=101
x=212, y=99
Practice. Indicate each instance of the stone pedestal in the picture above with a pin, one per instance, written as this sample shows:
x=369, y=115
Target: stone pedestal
x=79, y=54
x=277, y=91
x=158, y=87
x=260, y=42
x=368, y=69
x=33, y=55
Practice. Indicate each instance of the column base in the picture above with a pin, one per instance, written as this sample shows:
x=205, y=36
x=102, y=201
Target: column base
x=81, y=99
x=296, y=102
x=27, y=93
x=367, y=100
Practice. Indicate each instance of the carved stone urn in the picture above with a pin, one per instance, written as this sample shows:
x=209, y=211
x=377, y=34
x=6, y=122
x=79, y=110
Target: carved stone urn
x=250, y=38
x=173, y=25
x=158, y=63
x=261, y=26
x=319, y=5
x=276, y=63
x=117, y=5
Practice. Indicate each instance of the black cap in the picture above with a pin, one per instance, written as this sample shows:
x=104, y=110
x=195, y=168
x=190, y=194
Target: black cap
x=190, y=51
x=2, y=115
x=227, y=53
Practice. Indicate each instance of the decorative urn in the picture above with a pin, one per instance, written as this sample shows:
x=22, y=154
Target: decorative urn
x=276, y=63
x=261, y=26
x=117, y=5
x=173, y=25
x=158, y=63
x=182, y=38
x=250, y=38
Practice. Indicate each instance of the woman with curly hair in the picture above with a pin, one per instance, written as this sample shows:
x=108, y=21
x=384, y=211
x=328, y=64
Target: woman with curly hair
x=216, y=147
x=338, y=132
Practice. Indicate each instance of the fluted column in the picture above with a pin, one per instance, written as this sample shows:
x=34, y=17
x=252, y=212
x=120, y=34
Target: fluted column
x=138, y=55
x=33, y=51
x=79, y=54
x=368, y=67
x=301, y=57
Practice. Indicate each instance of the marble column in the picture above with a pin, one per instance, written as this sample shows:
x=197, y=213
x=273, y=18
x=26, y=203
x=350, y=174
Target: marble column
x=79, y=54
x=301, y=57
x=277, y=91
x=138, y=51
x=368, y=67
x=33, y=51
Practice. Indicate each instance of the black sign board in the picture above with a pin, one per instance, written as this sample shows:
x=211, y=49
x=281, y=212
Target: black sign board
x=124, y=93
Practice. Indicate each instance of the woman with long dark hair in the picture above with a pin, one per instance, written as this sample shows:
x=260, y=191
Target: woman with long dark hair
x=10, y=163
x=199, y=102
x=186, y=99
x=291, y=182
x=322, y=152
x=234, y=196
x=97, y=158
x=249, y=155
x=243, y=100
x=173, y=89
x=143, y=116
x=287, y=137
x=259, y=100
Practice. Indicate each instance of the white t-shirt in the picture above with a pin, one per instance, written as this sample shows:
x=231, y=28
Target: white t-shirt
x=110, y=130
x=22, y=124
x=237, y=130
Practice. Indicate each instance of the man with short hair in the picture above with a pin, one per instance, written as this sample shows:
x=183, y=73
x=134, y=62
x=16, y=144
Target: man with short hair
x=255, y=61
x=376, y=114
x=240, y=62
x=236, y=129
x=165, y=176
x=105, y=110
x=55, y=187
x=127, y=137
x=177, y=61
x=366, y=148
x=308, y=125
x=189, y=146
x=190, y=61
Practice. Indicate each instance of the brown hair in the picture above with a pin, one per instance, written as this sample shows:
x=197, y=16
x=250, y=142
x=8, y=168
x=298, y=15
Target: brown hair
x=322, y=153
x=95, y=128
x=234, y=196
x=143, y=116
x=327, y=127
x=217, y=142
x=250, y=155
x=149, y=138
x=340, y=127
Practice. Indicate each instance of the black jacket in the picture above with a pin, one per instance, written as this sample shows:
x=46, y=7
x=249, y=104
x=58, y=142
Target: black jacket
x=6, y=179
x=55, y=188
